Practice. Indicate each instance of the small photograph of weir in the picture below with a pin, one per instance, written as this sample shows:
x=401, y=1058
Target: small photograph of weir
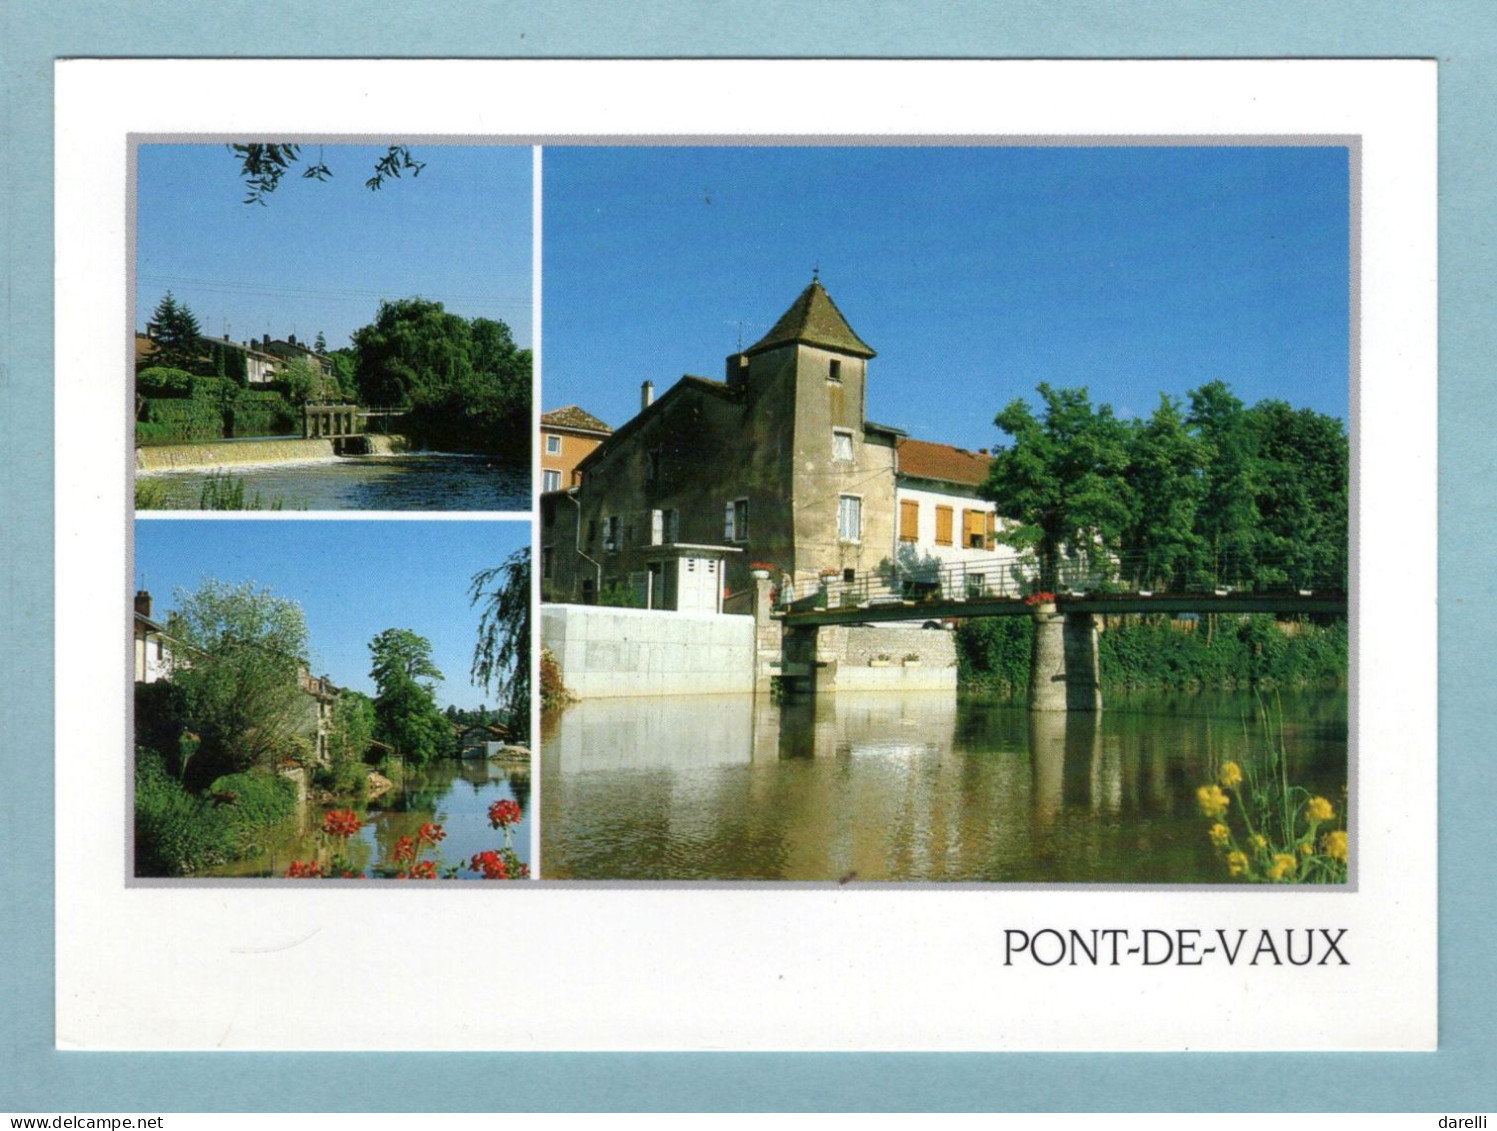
x=318, y=715
x=323, y=327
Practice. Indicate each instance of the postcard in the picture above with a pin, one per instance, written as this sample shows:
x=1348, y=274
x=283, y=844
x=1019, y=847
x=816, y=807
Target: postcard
x=962, y=500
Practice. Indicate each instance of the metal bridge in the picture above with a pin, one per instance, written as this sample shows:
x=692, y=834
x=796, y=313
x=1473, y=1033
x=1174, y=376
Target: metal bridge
x=1088, y=583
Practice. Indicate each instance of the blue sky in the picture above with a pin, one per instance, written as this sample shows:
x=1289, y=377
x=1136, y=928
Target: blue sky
x=353, y=579
x=975, y=272
x=321, y=256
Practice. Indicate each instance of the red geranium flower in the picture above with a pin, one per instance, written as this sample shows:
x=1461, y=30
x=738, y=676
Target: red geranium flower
x=491, y=864
x=1040, y=599
x=431, y=833
x=425, y=870
x=341, y=822
x=404, y=851
x=311, y=870
x=504, y=813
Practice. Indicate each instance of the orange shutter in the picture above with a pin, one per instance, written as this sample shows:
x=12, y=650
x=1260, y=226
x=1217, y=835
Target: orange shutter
x=943, y=526
x=974, y=529
x=909, y=520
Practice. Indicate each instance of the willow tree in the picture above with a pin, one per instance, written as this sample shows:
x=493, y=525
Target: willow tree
x=501, y=658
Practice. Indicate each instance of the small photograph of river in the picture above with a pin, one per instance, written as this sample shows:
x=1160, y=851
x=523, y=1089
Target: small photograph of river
x=453, y=793
x=919, y=786
x=418, y=481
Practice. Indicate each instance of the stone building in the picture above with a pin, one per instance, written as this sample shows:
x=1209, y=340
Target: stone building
x=774, y=466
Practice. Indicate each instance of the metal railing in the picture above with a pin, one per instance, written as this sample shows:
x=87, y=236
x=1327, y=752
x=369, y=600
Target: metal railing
x=1015, y=578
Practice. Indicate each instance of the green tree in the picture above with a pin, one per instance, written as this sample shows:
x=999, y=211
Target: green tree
x=302, y=381
x=1302, y=486
x=1061, y=479
x=1165, y=465
x=237, y=658
x=320, y=345
x=1228, y=520
x=178, y=343
x=261, y=167
x=405, y=707
x=465, y=384
x=502, y=655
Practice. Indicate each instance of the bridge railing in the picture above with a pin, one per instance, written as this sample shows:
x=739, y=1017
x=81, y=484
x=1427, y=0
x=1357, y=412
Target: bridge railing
x=1094, y=573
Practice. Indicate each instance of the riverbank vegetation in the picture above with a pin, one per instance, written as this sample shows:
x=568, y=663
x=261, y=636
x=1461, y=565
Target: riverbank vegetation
x=1138, y=653
x=1265, y=829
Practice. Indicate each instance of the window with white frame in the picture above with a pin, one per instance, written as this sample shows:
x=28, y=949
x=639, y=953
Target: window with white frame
x=850, y=518
x=550, y=480
x=611, y=532
x=842, y=445
x=735, y=521
x=553, y=445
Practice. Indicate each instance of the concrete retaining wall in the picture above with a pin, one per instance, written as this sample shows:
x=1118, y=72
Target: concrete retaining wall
x=851, y=658
x=607, y=652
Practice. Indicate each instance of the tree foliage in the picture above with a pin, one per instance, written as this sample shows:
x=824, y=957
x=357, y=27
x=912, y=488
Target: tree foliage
x=177, y=334
x=237, y=658
x=405, y=706
x=262, y=165
x=1062, y=478
x=1220, y=495
x=464, y=382
x=502, y=655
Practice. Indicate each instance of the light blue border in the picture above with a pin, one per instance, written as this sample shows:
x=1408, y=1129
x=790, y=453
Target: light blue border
x=1460, y=33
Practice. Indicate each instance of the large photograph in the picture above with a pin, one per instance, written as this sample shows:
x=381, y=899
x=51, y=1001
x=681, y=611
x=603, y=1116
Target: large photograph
x=1009, y=542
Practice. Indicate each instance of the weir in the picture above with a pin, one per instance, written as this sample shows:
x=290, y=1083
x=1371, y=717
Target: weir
x=231, y=453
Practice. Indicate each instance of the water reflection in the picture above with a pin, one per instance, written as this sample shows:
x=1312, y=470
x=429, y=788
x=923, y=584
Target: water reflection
x=455, y=794
x=418, y=481
x=918, y=786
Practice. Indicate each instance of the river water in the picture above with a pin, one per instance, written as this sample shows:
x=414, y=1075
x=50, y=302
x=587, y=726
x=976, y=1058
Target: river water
x=913, y=787
x=421, y=481
x=455, y=794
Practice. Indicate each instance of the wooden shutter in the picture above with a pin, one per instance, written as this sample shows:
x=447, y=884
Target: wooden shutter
x=943, y=526
x=909, y=520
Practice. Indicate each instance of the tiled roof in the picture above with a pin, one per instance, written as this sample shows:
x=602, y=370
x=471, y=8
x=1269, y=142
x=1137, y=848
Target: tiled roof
x=687, y=384
x=573, y=417
x=924, y=460
x=814, y=319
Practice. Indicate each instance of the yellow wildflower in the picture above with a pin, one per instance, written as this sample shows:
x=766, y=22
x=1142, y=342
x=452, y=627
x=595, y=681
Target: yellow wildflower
x=1334, y=845
x=1212, y=800
x=1319, y=809
x=1260, y=842
x=1305, y=849
x=1283, y=867
x=1220, y=835
x=1237, y=863
x=1231, y=774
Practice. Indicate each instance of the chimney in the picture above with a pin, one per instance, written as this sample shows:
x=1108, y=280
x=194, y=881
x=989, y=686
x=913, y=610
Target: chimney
x=267, y=339
x=646, y=395
x=143, y=603
x=737, y=369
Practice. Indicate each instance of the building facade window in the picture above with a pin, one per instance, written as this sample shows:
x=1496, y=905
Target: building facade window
x=736, y=521
x=553, y=445
x=550, y=480
x=842, y=445
x=664, y=526
x=611, y=530
x=850, y=518
x=976, y=526
x=909, y=520
x=834, y=370
x=943, y=526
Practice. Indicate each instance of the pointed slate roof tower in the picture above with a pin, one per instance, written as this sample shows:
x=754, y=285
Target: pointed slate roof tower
x=814, y=320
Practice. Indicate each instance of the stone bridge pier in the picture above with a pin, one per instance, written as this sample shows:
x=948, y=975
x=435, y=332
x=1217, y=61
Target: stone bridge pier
x=1063, y=663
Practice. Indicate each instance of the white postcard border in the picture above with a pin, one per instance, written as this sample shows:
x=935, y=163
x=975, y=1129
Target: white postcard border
x=551, y=967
